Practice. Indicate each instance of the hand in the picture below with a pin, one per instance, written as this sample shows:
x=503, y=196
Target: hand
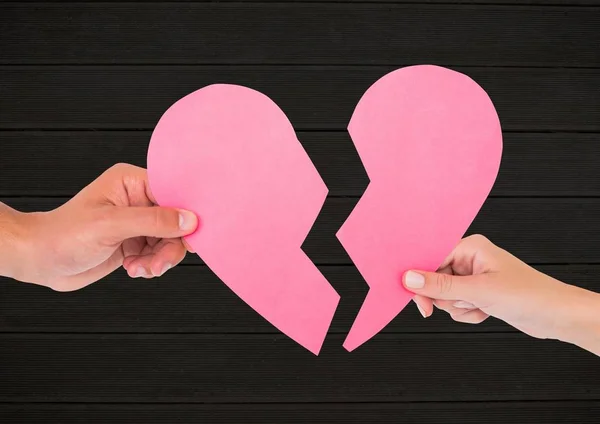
x=112, y=222
x=479, y=279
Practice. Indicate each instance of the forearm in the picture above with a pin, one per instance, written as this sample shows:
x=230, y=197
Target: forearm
x=11, y=241
x=582, y=328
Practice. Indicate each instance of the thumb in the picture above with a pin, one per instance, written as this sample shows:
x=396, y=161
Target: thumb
x=444, y=286
x=152, y=221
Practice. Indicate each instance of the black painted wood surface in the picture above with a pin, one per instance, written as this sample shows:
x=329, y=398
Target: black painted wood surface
x=581, y=412
x=313, y=97
x=269, y=34
x=191, y=299
x=83, y=84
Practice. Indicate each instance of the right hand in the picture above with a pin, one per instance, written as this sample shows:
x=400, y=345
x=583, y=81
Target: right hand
x=479, y=279
x=114, y=221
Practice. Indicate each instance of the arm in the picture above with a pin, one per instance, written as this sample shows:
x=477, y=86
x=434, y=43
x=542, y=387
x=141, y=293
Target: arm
x=479, y=279
x=12, y=241
x=582, y=327
x=112, y=222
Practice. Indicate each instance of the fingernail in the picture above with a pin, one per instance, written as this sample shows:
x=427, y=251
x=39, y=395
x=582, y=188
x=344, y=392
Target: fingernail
x=464, y=305
x=414, y=280
x=187, y=220
x=165, y=268
x=140, y=272
x=421, y=310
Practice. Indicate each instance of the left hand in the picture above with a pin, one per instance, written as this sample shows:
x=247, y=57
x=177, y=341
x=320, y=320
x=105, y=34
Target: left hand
x=112, y=222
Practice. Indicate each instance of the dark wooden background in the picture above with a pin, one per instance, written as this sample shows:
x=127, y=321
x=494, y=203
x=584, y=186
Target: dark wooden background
x=83, y=84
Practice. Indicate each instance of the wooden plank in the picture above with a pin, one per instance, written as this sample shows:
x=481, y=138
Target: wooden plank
x=455, y=2
x=580, y=412
x=543, y=231
x=191, y=299
x=270, y=368
x=533, y=164
x=334, y=34
x=134, y=97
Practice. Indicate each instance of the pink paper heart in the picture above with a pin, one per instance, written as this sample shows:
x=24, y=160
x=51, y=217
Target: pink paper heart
x=431, y=143
x=229, y=154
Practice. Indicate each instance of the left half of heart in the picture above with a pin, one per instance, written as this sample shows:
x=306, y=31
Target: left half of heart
x=230, y=154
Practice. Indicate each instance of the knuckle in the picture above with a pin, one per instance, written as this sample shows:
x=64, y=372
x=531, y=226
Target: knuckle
x=476, y=320
x=443, y=283
x=478, y=238
x=59, y=286
x=162, y=218
x=124, y=170
x=456, y=317
x=155, y=217
x=105, y=225
x=118, y=167
x=442, y=305
x=115, y=170
x=468, y=318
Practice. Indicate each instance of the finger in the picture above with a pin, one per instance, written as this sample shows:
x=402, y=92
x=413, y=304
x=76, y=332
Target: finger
x=131, y=248
x=138, y=266
x=170, y=252
x=445, y=270
x=445, y=305
x=188, y=247
x=424, y=305
x=128, y=260
x=453, y=305
x=164, y=256
x=475, y=316
x=123, y=223
x=444, y=286
x=462, y=257
x=461, y=304
x=134, y=178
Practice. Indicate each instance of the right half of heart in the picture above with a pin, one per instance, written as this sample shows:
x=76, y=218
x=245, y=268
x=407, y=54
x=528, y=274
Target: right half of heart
x=431, y=143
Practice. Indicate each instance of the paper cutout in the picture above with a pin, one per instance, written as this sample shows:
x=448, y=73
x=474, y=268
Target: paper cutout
x=230, y=154
x=431, y=143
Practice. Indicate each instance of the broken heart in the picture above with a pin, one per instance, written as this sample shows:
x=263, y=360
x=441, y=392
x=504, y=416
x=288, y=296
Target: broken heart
x=229, y=154
x=430, y=141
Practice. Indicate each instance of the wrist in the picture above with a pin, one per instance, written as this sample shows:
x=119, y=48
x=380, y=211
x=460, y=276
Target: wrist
x=14, y=242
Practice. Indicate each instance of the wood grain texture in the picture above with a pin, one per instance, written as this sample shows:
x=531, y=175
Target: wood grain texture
x=272, y=368
x=543, y=231
x=55, y=163
x=135, y=97
x=201, y=33
x=191, y=299
x=580, y=412
x=416, y=2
